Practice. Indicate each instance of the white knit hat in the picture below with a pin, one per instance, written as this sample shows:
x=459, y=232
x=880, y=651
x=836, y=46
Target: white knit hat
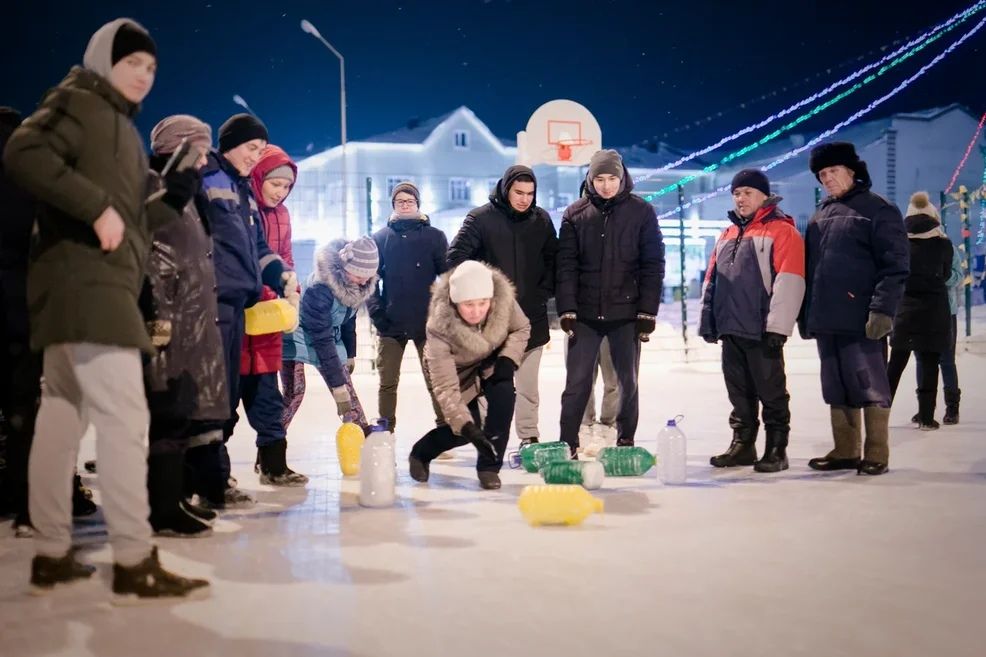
x=921, y=204
x=470, y=280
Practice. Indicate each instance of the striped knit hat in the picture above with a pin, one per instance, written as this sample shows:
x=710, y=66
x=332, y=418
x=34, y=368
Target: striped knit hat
x=360, y=257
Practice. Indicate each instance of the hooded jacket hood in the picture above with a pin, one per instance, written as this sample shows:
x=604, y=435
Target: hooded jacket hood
x=769, y=211
x=329, y=270
x=501, y=193
x=272, y=158
x=98, y=57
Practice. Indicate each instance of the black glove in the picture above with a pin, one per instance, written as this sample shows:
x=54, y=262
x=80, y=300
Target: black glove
x=710, y=338
x=774, y=341
x=180, y=187
x=568, y=321
x=475, y=435
x=645, y=326
x=503, y=370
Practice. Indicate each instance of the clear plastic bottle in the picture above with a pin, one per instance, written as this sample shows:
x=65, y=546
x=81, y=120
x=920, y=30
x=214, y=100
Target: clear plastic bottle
x=557, y=505
x=349, y=442
x=534, y=456
x=378, y=475
x=672, y=453
x=589, y=474
x=625, y=461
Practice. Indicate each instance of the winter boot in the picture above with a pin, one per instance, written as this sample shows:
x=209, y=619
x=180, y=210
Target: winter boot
x=525, y=442
x=926, y=410
x=82, y=504
x=775, y=453
x=203, y=476
x=274, y=470
x=205, y=515
x=876, y=452
x=164, y=491
x=742, y=450
x=952, y=398
x=488, y=480
x=418, y=468
x=624, y=442
x=148, y=581
x=847, y=425
x=46, y=572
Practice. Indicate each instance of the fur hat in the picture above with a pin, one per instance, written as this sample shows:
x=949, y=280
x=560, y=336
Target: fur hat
x=838, y=153
x=470, y=280
x=921, y=204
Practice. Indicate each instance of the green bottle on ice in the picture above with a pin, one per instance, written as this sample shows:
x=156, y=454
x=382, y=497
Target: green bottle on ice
x=589, y=474
x=626, y=461
x=533, y=457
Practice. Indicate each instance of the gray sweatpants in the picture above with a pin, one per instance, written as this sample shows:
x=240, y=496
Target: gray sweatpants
x=103, y=385
x=526, y=383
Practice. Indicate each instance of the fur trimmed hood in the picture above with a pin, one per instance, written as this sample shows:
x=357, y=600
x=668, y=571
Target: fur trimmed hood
x=444, y=320
x=329, y=270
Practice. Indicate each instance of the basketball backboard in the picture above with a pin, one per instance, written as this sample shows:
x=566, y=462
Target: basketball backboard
x=560, y=132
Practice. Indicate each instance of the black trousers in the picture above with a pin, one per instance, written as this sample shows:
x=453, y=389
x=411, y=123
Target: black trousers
x=927, y=370
x=21, y=396
x=500, y=399
x=580, y=365
x=755, y=376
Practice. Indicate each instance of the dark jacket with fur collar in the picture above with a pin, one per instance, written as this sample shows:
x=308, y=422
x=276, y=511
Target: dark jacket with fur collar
x=459, y=356
x=326, y=335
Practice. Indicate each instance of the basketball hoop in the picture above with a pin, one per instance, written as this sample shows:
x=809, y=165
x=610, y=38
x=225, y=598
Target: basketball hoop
x=565, y=147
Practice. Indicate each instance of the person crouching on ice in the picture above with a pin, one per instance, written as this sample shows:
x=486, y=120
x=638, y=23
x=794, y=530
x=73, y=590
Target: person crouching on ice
x=476, y=337
x=344, y=278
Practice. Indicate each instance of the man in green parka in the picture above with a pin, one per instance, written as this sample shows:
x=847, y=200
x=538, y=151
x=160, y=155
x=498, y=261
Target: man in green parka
x=81, y=156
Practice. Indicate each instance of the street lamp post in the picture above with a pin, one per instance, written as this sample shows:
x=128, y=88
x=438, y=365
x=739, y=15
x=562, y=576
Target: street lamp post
x=308, y=28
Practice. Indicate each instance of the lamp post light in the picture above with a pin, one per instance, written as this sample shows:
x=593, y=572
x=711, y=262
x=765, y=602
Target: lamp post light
x=238, y=99
x=308, y=28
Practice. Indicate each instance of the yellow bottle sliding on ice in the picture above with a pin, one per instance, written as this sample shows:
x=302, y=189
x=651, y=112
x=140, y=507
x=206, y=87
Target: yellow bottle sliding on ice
x=557, y=505
x=349, y=443
x=271, y=316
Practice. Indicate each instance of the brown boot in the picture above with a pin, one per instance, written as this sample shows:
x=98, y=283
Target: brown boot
x=847, y=435
x=876, y=453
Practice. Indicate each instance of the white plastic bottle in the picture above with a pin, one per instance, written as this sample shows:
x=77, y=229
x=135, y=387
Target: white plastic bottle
x=672, y=453
x=378, y=474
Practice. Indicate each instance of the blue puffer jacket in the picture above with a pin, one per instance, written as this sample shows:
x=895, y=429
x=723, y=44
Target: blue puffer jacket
x=412, y=256
x=857, y=261
x=326, y=335
x=243, y=260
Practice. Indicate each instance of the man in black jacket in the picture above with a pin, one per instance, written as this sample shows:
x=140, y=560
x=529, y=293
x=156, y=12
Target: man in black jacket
x=412, y=256
x=609, y=279
x=517, y=237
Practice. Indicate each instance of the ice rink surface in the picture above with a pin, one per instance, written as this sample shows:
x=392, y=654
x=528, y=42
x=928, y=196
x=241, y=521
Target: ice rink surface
x=732, y=563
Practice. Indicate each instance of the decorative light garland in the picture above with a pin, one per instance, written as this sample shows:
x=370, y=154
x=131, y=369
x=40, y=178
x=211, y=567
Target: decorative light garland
x=941, y=30
x=972, y=142
x=866, y=110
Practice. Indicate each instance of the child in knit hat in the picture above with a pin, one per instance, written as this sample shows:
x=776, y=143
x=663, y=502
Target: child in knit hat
x=345, y=276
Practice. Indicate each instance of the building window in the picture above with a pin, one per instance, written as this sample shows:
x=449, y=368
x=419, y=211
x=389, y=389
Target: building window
x=394, y=181
x=461, y=139
x=458, y=189
x=564, y=200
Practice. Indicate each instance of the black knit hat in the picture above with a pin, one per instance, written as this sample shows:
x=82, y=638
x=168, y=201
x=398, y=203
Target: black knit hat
x=838, y=153
x=128, y=40
x=754, y=178
x=239, y=129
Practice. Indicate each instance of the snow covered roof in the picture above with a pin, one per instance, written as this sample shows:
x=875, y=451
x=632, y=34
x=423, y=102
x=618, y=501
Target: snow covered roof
x=417, y=131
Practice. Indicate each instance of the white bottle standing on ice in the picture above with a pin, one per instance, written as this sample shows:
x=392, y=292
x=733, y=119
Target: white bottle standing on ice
x=378, y=474
x=672, y=453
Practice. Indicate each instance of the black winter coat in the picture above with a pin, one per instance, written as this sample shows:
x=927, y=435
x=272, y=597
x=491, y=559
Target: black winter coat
x=521, y=245
x=17, y=213
x=610, y=257
x=923, y=321
x=856, y=261
x=187, y=378
x=412, y=256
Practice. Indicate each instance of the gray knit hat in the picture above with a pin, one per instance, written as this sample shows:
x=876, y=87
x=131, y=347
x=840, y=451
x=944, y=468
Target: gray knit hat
x=285, y=171
x=166, y=136
x=360, y=257
x=606, y=161
x=408, y=188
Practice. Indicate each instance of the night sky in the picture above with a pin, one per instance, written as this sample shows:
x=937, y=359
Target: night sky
x=645, y=69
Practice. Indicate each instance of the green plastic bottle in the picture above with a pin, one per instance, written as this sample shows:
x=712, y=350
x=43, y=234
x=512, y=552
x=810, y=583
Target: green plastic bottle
x=626, y=461
x=589, y=474
x=533, y=457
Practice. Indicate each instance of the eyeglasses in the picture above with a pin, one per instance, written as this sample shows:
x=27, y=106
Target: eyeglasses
x=405, y=201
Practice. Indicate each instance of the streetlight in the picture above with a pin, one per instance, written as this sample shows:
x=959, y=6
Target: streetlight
x=238, y=99
x=308, y=28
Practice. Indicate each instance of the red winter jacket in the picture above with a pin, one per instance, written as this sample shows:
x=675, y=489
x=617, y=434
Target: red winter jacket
x=262, y=354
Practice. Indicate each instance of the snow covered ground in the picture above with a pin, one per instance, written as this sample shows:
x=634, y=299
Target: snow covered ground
x=733, y=563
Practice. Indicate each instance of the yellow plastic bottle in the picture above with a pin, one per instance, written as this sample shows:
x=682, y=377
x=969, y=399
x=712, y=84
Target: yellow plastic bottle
x=557, y=505
x=349, y=444
x=271, y=316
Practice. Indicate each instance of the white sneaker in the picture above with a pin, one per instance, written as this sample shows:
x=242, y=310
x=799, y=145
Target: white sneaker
x=605, y=434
